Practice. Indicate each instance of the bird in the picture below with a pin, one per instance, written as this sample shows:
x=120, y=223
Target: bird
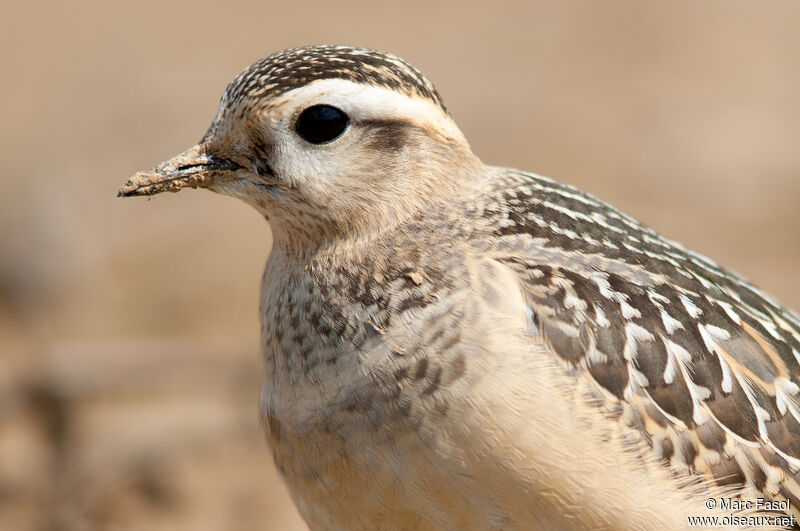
x=452, y=345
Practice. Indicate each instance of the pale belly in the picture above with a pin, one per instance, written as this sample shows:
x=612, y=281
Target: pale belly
x=479, y=463
x=374, y=479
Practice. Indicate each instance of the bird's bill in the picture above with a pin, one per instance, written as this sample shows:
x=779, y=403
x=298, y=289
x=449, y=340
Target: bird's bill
x=194, y=168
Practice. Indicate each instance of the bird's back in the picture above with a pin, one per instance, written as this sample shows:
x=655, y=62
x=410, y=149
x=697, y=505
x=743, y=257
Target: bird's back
x=704, y=365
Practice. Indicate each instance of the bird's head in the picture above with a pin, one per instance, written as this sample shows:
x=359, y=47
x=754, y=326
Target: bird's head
x=324, y=141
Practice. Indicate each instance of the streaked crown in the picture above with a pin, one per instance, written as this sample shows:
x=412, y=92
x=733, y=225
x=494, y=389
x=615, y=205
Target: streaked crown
x=290, y=69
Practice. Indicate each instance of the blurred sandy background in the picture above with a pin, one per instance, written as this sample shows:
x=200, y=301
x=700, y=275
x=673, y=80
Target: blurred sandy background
x=129, y=364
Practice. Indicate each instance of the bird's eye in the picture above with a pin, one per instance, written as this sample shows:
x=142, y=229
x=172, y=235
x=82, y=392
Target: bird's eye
x=321, y=123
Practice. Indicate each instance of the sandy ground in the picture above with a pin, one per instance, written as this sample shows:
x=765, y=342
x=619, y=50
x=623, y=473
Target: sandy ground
x=129, y=365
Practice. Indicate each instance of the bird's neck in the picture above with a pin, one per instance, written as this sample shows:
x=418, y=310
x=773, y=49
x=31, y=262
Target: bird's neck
x=309, y=230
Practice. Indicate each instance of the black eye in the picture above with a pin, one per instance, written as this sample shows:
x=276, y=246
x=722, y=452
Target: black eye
x=321, y=123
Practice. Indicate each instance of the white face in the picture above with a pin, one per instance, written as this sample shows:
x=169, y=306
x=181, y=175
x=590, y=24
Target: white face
x=375, y=158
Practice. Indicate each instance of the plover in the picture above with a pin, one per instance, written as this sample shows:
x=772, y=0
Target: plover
x=454, y=345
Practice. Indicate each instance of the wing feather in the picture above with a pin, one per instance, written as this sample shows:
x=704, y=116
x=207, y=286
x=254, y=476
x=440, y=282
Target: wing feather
x=708, y=363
